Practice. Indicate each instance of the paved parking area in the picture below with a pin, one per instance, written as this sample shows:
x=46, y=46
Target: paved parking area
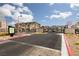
x=34, y=45
x=17, y=49
x=49, y=40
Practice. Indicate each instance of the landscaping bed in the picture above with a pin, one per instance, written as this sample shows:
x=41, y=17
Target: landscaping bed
x=73, y=40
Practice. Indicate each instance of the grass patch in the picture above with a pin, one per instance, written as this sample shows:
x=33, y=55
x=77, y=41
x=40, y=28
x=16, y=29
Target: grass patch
x=69, y=35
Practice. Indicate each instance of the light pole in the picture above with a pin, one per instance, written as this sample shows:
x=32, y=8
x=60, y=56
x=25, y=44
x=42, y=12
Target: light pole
x=18, y=24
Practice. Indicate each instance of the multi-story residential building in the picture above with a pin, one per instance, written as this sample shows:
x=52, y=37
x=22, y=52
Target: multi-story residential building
x=3, y=26
x=58, y=29
x=27, y=27
x=45, y=28
x=76, y=27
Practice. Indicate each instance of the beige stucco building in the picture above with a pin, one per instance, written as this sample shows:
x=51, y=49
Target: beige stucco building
x=28, y=27
x=70, y=30
x=3, y=26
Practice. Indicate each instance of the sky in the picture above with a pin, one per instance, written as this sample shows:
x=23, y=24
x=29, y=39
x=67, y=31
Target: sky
x=48, y=14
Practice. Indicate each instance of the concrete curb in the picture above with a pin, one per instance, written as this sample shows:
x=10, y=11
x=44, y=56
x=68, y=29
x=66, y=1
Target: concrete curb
x=5, y=41
x=63, y=47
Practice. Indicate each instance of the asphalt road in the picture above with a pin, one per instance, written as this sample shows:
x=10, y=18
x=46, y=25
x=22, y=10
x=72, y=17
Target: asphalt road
x=37, y=45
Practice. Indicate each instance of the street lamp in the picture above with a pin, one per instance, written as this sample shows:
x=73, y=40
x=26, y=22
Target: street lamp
x=18, y=22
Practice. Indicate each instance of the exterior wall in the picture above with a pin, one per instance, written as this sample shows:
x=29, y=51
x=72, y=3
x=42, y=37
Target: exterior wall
x=3, y=26
x=32, y=27
x=45, y=28
x=27, y=27
x=70, y=30
x=58, y=29
x=75, y=26
x=39, y=29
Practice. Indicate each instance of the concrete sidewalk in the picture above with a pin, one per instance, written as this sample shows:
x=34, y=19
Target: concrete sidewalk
x=64, y=51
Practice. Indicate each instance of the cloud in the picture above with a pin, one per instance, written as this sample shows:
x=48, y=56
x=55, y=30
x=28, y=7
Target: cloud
x=25, y=17
x=62, y=15
x=77, y=16
x=12, y=23
x=5, y=12
x=50, y=4
x=16, y=12
x=27, y=10
x=16, y=15
x=74, y=6
x=46, y=16
x=19, y=10
x=56, y=11
x=18, y=4
x=7, y=6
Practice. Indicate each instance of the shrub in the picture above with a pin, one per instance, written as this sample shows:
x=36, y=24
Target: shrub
x=3, y=33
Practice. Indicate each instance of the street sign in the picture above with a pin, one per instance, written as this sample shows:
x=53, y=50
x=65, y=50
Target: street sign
x=11, y=30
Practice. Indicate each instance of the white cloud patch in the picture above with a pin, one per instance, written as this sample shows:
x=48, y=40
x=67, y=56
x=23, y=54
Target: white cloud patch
x=18, y=4
x=19, y=9
x=51, y=4
x=5, y=12
x=15, y=13
x=74, y=6
x=7, y=6
x=25, y=17
x=26, y=9
x=46, y=16
x=62, y=15
x=56, y=11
